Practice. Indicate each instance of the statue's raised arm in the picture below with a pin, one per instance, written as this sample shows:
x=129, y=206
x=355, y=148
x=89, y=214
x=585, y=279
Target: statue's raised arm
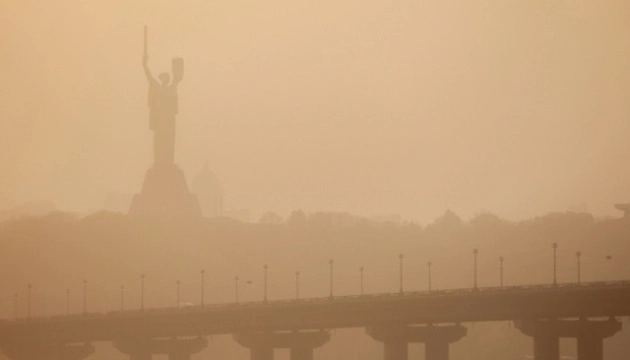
x=147, y=71
x=145, y=58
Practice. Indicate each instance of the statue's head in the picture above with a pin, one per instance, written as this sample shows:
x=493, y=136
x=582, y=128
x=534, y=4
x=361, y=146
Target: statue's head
x=165, y=78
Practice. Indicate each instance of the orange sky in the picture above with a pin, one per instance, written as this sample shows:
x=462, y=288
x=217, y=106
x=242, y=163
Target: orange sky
x=518, y=107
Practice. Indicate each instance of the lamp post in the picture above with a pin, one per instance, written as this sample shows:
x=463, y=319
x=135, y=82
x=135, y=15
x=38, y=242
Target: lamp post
x=28, y=309
x=84, y=296
x=67, y=302
x=331, y=263
x=578, y=255
x=429, y=265
x=501, y=270
x=203, y=272
x=142, y=292
x=475, y=252
x=297, y=285
x=361, y=274
x=122, y=297
x=236, y=289
x=177, y=283
x=554, y=246
x=265, y=267
x=400, y=273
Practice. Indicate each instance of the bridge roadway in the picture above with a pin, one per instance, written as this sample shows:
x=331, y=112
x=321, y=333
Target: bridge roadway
x=434, y=318
x=564, y=301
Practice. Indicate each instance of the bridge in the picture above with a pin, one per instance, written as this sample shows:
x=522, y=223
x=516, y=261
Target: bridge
x=585, y=311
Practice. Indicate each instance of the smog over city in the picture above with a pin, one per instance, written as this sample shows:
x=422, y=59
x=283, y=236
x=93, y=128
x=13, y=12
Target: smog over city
x=380, y=180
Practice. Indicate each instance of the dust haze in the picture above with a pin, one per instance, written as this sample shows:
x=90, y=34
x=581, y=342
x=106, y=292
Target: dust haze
x=370, y=107
x=364, y=134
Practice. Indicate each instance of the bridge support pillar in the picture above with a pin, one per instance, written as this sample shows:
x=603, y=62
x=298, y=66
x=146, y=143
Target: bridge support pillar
x=34, y=351
x=436, y=340
x=301, y=344
x=261, y=352
x=140, y=356
x=590, y=347
x=436, y=350
x=395, y=350
x=175, y=348
x=590, y=336
x=546, y=347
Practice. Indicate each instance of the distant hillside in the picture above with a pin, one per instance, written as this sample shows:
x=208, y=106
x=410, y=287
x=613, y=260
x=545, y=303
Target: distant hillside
x=59, y=251
x=32, y=208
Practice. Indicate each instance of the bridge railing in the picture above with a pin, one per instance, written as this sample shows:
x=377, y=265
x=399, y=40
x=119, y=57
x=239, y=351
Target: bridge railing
x=481, y=291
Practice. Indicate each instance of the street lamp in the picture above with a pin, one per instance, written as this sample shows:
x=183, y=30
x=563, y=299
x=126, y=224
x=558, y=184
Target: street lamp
x=265, y=293
x=578, y=255
x=401, y=257
x=202, y=283
x=177, y=298
x=501, y=270
x=330, y=263
x=555, y=250
x=361, y=272
x=28, y=310
x=122, y=297
x=84, y=296
x=142, y=292
x=429, y=265
x=475, y=252
x=297, y=285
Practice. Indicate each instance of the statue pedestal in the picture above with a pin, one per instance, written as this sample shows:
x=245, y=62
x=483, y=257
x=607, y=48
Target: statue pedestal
x=165, y=194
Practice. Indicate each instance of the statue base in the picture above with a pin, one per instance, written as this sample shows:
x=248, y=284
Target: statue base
x=165, y=194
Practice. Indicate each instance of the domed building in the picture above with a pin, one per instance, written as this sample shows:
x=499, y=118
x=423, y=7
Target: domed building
x=209, y=192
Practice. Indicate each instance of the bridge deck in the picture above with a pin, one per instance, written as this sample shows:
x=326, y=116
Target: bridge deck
x=599, y=299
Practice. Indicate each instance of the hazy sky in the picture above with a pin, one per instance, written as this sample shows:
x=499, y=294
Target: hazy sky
x=518, y=107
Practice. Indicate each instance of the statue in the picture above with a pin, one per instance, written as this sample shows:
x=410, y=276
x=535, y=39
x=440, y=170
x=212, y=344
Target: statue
x=164, y=193
x=163, y=107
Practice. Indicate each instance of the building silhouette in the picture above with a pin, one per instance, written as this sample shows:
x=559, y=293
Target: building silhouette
x=207, y=187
